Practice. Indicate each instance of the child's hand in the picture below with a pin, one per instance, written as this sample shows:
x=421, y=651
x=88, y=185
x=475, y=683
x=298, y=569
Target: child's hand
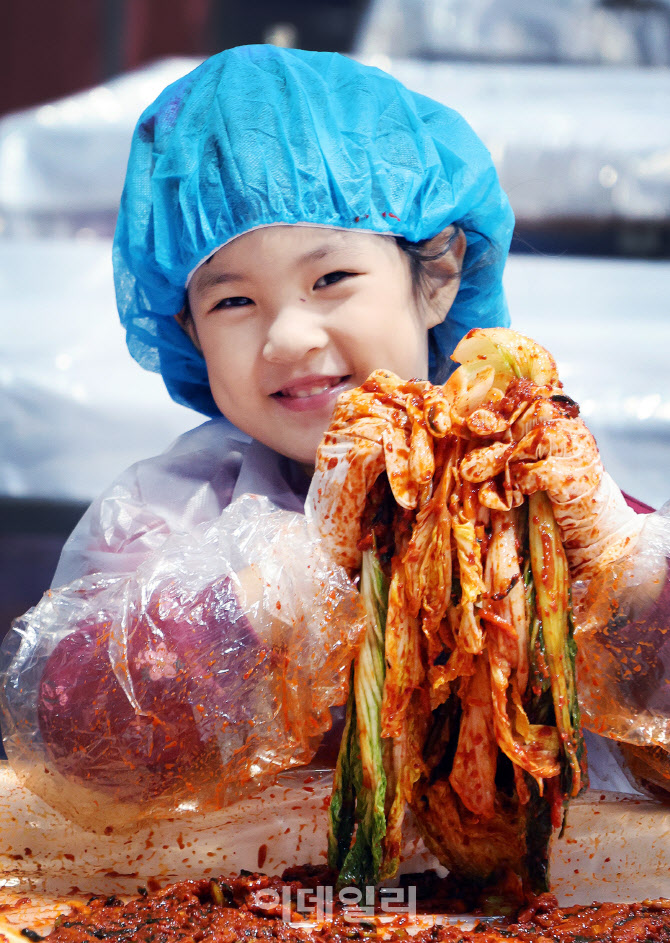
x=621, y=611
x=560, y=456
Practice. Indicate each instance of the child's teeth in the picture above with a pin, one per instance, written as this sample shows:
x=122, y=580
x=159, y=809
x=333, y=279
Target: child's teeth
x=312, y=391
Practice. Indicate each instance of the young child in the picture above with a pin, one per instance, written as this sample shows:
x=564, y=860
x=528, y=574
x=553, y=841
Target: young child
x=254, y=138
x=290, y=222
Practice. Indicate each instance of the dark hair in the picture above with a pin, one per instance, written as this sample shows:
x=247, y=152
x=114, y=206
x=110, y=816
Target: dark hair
x=421, y=254
x=186, y=315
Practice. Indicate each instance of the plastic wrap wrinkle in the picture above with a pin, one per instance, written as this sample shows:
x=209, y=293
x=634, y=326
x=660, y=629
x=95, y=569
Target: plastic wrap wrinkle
x=188, y=684
x=623, y=638
x=173, y=493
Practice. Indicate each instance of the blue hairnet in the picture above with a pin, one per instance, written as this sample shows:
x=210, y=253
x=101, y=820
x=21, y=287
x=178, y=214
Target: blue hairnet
x=259, y=135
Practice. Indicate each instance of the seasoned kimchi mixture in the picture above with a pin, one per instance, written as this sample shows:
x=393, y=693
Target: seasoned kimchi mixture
x=258, y=907
x=463, y=704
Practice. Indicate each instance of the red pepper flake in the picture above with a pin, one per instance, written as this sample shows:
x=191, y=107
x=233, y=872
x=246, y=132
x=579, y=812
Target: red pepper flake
x=262, y=855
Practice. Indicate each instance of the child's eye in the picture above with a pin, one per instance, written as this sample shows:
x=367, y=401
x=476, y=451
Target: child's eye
x=238, y=301
x=331, y=278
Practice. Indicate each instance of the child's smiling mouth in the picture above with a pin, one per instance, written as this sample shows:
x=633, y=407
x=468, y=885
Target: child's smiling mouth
x=312, y=392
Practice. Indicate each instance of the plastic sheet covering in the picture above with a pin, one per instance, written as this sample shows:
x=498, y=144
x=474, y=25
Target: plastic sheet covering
x=189, y=684
x=570, y=31
x=612, y=364
x=62, y=163
x=74, y=408
x=571, y=98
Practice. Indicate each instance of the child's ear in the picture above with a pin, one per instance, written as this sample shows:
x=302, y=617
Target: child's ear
x=185, y=320
x=441, y=273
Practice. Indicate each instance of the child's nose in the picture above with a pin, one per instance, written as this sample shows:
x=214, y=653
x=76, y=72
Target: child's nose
x=294, y=332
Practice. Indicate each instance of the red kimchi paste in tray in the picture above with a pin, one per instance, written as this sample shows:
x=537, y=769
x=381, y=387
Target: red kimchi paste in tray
x=257, y=907
x=614, y=850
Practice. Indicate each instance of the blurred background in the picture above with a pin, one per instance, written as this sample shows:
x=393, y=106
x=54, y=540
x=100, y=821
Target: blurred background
x=572, y=97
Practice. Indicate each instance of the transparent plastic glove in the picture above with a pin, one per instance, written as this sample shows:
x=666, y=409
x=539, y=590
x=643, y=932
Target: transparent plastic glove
x=618, y=562
x=346, y=470
x=189, y=684
x=560, y=456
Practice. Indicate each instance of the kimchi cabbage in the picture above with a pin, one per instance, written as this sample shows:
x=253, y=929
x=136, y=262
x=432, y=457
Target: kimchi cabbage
x=463, y=704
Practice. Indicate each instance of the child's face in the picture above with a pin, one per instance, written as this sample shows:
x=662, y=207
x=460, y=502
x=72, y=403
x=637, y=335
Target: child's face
x=288, y=317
